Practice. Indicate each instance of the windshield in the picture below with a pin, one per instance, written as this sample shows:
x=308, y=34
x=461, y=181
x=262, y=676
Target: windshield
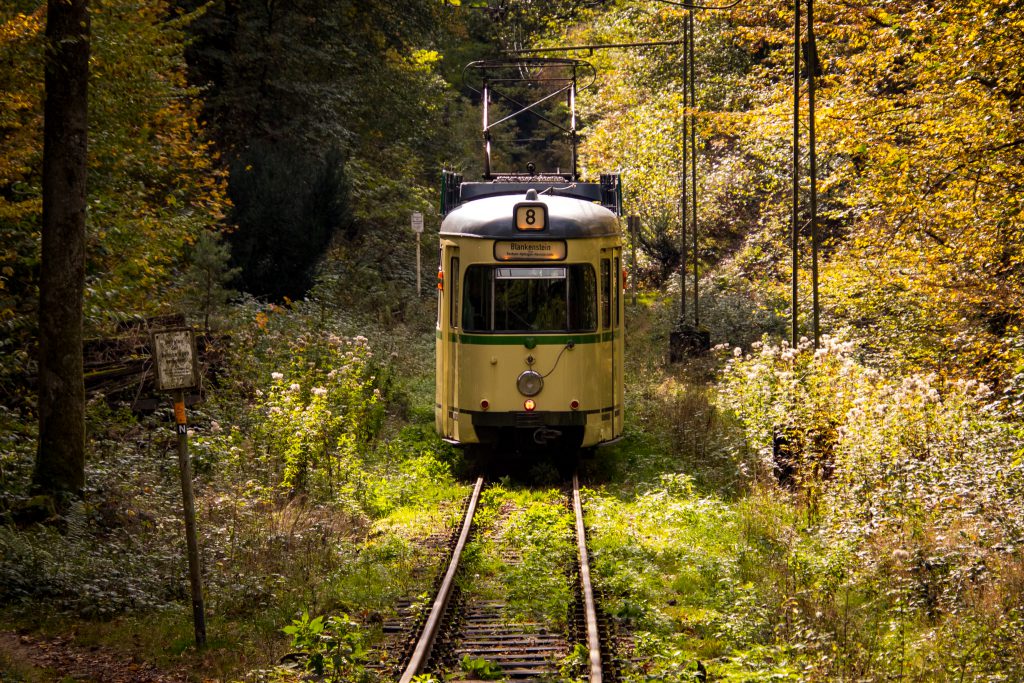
x=530, y=299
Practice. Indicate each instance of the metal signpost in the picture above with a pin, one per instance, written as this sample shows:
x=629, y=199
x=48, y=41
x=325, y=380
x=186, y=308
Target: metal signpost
x=417, y=227
x=177, y=369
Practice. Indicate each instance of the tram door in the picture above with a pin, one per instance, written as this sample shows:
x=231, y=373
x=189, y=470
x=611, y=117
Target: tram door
x=618, y=409
x=608, y=331
x=453, y=344
x=611, y=325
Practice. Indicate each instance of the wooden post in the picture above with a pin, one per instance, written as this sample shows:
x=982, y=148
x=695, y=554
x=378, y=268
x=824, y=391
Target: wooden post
x=177, y=369
x=189, y=505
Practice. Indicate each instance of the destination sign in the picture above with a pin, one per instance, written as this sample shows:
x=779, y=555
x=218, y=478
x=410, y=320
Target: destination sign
x=530, y=250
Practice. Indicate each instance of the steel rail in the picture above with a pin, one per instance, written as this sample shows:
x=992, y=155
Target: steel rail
x=425, y=644
x=593, y=639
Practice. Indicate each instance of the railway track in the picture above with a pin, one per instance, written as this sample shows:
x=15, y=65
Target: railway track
x=467, y=634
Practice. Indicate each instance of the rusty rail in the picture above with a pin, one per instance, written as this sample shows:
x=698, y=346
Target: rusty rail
x=421, y=654
x=593, y=637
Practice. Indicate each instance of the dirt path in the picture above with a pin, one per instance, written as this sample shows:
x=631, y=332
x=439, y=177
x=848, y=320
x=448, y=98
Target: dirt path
x=34, y=658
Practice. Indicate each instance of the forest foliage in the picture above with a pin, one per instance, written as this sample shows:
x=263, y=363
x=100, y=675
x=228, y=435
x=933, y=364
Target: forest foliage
x=919, y=114
x=276, y=149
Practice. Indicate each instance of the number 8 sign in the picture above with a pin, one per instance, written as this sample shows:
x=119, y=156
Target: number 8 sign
x=531, y=216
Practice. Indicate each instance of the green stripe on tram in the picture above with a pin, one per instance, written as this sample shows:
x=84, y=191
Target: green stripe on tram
x=537, y=339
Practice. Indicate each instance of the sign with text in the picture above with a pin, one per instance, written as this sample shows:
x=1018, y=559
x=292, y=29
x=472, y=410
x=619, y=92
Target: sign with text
x=417, y=222
x=530, y=250
x=174, y=357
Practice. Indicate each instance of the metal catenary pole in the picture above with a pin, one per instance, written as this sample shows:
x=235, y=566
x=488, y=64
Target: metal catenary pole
x=684, y=213
x=693, y=163
x=634, y=234
x=796, y=168
x=812, y=69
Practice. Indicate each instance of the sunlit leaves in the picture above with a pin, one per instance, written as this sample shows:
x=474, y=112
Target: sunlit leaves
x=152, y=183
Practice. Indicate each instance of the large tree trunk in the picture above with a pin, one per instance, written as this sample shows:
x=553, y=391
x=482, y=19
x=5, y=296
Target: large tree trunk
x=60, y=460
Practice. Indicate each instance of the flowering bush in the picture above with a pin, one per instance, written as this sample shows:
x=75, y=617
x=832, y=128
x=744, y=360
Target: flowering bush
x=904, y=452
x=921, y=477
x=310, y=420
x=317, y=418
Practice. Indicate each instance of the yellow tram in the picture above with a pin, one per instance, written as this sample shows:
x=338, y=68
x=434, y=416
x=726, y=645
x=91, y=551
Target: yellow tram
x=530, y=313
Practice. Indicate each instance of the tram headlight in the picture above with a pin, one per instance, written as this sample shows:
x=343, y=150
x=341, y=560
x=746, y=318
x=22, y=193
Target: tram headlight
x=530, y=383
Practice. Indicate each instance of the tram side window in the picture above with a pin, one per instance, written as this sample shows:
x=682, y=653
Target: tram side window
x=583, y=295
x=606, y=293
x=618, y=291
x=529, y=299
x=476, y=299
x=454, y=286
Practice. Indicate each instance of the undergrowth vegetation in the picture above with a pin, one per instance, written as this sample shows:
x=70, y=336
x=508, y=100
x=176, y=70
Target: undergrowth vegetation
x=319, y=484
x=522, y=558
x=792, y=514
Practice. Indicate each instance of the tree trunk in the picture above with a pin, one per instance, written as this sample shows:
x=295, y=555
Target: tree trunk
x=60, y=459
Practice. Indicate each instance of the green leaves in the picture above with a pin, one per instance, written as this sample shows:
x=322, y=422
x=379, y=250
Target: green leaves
x=334, y=647
x=480, y=669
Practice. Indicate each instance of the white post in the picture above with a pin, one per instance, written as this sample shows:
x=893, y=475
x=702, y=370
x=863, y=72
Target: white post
x=416, y=222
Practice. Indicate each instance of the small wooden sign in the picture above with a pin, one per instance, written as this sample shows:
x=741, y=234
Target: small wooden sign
x=175, y=359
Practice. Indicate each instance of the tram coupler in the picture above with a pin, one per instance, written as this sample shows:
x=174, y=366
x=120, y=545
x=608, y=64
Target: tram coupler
x=544, y=435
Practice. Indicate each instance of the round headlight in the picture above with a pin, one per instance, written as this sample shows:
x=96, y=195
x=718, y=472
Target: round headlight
x=530, y=383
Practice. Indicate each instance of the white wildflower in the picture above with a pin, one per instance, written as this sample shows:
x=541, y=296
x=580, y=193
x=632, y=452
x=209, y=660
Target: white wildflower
x=319, y=391
x=215, y=427
x=737, y=352
x=294, y=387
x=277, y=376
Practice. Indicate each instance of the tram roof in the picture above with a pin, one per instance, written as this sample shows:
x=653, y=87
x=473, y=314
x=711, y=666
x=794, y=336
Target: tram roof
x=493, y=217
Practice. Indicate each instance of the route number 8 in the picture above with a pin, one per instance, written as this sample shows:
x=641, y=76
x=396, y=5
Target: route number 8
x=531, y=217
